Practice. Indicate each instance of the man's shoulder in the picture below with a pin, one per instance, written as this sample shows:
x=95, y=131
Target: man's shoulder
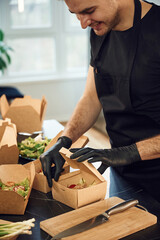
x=151, y=21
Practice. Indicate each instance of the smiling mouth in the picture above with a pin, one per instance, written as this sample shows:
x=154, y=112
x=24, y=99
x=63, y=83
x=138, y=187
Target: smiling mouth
x=95, y=26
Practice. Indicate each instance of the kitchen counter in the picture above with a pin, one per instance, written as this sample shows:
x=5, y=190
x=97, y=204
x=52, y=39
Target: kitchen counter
x=42, y=206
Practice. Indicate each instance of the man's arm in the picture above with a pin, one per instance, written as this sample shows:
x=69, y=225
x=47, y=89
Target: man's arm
x=143, y=150
x=86, y=111
x=84, y=116
x=149, y=148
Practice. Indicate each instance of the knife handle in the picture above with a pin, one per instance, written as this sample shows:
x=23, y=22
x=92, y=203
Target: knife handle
x=120, y=207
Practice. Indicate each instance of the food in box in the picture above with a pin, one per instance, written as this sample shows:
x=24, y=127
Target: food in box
x=11, y=202
x=40, y=181
x=95, y=189
x=32, y=148
x=26, y=113
x=9, y=152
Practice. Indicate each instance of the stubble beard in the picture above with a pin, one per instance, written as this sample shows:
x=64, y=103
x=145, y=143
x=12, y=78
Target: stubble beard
x=108, y=25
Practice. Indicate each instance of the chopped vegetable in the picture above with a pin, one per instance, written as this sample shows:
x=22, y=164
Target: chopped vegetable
x=72, y=186
x=12, y=229
x=21, y=188
x=81, y=184
x=33, y=147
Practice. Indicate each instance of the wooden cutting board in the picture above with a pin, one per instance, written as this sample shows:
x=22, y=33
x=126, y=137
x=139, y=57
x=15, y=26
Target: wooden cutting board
x=118, y=225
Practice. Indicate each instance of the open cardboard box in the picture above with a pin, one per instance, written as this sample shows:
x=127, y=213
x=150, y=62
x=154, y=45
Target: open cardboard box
x=40, y=181
x=9, y=152
x=10, y=201
x=26, y=113
x=77, y=198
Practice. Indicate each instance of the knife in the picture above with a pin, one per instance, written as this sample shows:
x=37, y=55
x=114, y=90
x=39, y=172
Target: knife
x=97, y=220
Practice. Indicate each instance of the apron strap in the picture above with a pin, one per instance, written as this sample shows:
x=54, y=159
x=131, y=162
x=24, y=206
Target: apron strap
x=137, y=12
x=137, y=18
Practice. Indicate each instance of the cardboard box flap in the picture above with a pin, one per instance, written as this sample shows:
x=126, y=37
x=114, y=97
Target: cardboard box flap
x=83, y=166
x=4, y=105
x=9, y=152
x=81, y=142
x=4, y=123
x=13, y=172
x=53, y=141
x=32, y=176
x=7, y=122
x=9, y=137
x=43, y=108
x=27, y=101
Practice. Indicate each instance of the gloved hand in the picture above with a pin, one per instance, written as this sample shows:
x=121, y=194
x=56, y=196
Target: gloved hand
x=52, y=155
x=110, y=157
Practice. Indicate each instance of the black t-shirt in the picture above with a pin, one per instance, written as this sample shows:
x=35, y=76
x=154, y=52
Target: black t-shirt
x=131, y=98
x=145, y=77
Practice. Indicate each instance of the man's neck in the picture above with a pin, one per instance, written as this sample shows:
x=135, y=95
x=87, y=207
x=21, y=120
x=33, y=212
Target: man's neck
x=126, y=12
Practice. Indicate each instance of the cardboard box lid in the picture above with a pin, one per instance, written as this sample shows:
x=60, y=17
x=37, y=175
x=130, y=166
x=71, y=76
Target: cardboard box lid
x=8, y=137
x=8, y=133
x=83, y=166
x=4, y=124
x=43, y=108
x=81, y=142
x=38, y=105
x=25, y=101
x=4, y=105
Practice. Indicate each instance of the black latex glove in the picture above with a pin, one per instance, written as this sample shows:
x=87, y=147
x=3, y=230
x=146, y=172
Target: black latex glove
x=110, y=157
x=51, y=156
x=102, y=167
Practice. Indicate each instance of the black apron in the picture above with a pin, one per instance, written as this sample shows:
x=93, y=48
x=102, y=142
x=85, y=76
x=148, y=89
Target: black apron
x=123, y=124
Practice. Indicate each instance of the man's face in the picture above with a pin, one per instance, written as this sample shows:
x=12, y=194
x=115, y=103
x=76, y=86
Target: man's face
x=101, y=15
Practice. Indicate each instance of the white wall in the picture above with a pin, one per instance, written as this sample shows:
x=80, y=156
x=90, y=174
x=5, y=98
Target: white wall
x=154, y=1
x=62, y=95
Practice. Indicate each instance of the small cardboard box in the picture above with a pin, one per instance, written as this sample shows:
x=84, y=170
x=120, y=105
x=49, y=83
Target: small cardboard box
x=77, y=198
x=9, y=152
x=10, y=201
x=26, y=113
x=40, y=181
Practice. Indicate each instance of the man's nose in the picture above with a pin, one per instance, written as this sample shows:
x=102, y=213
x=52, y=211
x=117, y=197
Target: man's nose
x=84, y=20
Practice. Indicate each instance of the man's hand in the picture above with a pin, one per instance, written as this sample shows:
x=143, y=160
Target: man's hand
x=109, y=157
x=53, y=156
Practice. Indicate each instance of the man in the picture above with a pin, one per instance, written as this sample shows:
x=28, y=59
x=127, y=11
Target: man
x=123, y=80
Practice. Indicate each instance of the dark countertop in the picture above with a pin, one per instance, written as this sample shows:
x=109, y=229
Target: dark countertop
x=42, y=206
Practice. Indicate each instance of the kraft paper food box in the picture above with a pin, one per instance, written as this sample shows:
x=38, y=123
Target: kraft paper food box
x=40, y=181
x=9, y=153
x=26, y=113
x=10, y=201
x=76, y=198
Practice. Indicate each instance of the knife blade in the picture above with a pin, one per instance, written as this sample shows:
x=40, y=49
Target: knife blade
x=97, y=220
